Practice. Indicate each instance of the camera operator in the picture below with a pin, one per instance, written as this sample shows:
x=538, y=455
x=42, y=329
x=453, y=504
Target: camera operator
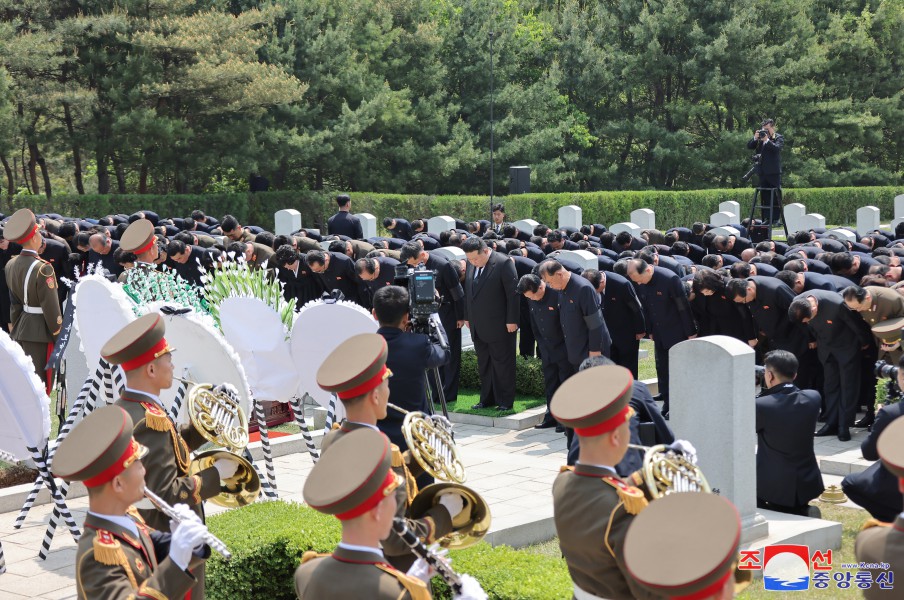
x=410, y=355
x=787, y=474
x=876, y=489
x=767, y=144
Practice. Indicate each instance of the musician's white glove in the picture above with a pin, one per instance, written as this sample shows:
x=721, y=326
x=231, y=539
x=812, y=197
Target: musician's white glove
x=421, y=570
x=226, y=468
x=185, y=513
x=229, y=390
x=470, y=590
x=453, y=502
x=187, y=536
x=686, y=447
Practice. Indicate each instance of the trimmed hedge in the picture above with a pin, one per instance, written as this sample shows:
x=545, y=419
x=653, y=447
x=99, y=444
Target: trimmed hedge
x=267, y=540
x=528, y=375
x=837, y=205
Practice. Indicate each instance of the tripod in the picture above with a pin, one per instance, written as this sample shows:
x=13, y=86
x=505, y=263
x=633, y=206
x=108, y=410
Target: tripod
x=758, y=194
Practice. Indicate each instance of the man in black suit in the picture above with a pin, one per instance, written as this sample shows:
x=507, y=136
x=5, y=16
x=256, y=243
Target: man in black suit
x=189, y=262
x=299, y=281
x=526, y=339
x=876, y=489
x=787, y=474
x=492, y=313
x=399, y=228
x=375, y=272
x=337, y=272
x=806, y=281
x=667, y=313
x=103, y=248
x=344, y=222
x=543, y=312
x=499, y=222
x=840, y=337
x=768, y=145
x=623, y=314
x=410, y=356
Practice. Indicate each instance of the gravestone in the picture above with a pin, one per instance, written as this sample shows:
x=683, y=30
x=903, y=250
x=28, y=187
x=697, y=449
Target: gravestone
x=720, y=219
x=450, y=252
x=287, y=221
x=726, y=230
x=526, y=225
x=811, y=221
x=644, y=218
x=899, y=206
x=631, y=228
x=368, y=224
x=793, y=213
x=440, y=224
x=843, y=235
x=867, y=219
x=730, y=206
x=570, y=216
x=326, y=245
x=725, y=445
x=586, y=259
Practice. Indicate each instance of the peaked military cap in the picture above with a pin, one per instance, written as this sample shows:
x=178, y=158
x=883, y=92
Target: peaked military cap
x=138, y=343
x=355, y=367
x=594, y=401
x=21, y=227
x=138, y=237
x=891, y=447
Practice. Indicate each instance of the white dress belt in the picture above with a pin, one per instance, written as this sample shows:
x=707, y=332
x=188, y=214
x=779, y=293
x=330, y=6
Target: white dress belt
x=32, y=310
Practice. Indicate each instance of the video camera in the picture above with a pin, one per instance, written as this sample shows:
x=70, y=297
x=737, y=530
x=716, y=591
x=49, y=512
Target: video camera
x=761, y=133
x=423, y=303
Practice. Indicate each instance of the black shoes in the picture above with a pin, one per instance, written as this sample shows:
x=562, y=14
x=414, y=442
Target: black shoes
x=825, y=431
x=480, y=405
x=844, y=435
x=560, y=428
x=866, y=421
x=545, y=424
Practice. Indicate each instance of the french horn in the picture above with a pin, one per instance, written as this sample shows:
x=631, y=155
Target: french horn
x=217, y=416
x=667, y=471
x=430, y=441
x=468, y=527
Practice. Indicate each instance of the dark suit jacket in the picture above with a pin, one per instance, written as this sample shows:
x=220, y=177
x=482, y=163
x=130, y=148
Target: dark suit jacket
x=770, y=154
x=345, y=223
x=492, y=302
x=340, y=275
x=786, y=468
x=818, y=281
x=838, y=330
x=622, y=310
x=666, y=309
x=402, y=229
x=544, y=319
x=770, y=314
x=877, y=484
x=582, y=320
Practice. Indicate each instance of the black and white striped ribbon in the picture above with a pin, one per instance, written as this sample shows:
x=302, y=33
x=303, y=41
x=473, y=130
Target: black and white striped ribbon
x=297, y=405
x=265, y=441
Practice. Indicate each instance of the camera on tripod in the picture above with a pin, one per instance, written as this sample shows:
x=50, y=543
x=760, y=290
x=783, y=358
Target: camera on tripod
x=423, y=303
x=883, y=370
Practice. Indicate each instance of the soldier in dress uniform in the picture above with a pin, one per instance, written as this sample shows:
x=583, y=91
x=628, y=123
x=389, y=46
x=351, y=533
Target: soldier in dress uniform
x=118, y=555
x=356, y=371
x=888, y=336
x=34, y=311
x=884, y=542
x=592, y=506
x=140, y=240
x=144, y=354
x=656, y=547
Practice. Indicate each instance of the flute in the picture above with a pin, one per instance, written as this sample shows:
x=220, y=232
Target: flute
x=209, y=539
x=400, y=526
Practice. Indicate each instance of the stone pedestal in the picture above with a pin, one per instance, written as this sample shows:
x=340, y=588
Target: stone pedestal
x=793, y=213
x=451, y=252
x=730, y=206
x=526, y=225
x=586, y=259
x=712, y=406
x=438, y=225
x=570, y=216
x=843, y=235
x=720, y=219
x=368, y=224
x=726, y=231
x=287, y=221
x=644, y=218
x=631, y=228
x=867, y=219
x=811, y=221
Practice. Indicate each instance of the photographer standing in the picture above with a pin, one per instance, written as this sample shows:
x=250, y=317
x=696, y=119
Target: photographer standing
x=410, y=355
x=767, y=144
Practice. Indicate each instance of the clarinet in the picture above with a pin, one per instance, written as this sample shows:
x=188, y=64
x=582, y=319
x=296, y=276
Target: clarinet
x=400, y=526
x=209, y=539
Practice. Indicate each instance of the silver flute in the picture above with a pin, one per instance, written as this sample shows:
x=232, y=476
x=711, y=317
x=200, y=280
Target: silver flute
x=209, y=538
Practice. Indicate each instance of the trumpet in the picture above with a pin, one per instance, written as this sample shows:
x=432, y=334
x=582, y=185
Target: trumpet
x=430, y=440
x=218, y=417
x=667, y=471
x=209, y=539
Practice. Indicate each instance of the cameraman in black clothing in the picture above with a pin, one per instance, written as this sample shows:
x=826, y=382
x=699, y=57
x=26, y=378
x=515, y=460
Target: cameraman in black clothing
x=767, y=144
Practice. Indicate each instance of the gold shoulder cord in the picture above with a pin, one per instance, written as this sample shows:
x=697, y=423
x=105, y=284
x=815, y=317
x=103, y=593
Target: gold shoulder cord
x=410, y=482
x=180, y=449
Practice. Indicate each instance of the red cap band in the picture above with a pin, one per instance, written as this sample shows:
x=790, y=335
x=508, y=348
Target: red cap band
x=147, y=246
x=121, y=464
x=371, y=502
x=158, y=350
x=27, y=236
x=607, y=425
x=365, y=387
x=708, y=591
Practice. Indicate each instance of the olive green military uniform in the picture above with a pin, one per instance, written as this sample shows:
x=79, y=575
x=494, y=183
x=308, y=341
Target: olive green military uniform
x=886, y=304
x=346, y=573
x=429, y=528
x=34, y=307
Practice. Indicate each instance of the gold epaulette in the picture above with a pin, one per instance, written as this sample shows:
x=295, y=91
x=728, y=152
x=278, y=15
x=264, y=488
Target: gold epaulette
x=398, y=462
x=397, y=459
x=311, y=555
x=133, y=512
x=335, y=426
x=870, y=523
x=630, y=496
x=415, y=587
x=564, y=468
x=155, y=418
x=108, y=550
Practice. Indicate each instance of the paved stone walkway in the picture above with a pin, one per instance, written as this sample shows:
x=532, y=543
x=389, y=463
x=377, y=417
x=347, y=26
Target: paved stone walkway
x=513, y=470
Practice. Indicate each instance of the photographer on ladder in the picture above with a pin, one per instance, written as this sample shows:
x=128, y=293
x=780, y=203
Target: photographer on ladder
x=767, y=145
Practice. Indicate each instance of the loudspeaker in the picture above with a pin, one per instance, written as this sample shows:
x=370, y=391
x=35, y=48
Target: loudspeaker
x=519, y=180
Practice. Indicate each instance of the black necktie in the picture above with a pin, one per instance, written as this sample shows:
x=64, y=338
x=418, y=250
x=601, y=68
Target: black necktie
x=477, y=273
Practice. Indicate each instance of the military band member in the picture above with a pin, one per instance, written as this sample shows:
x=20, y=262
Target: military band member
x=592, y=505
x=884, y=542
x=658, y=557
x=140, y=240
x=119, y=557
x=356, y=371
x=144, y=354
x=34, y=312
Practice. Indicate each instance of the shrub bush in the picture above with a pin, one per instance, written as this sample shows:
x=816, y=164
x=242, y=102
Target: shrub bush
x=267, y=540
x=528, y=374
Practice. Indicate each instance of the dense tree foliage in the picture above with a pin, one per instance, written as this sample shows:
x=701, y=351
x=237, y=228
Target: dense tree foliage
x=170, y=96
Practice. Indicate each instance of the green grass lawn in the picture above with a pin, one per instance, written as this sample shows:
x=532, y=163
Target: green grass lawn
x=468, y=398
